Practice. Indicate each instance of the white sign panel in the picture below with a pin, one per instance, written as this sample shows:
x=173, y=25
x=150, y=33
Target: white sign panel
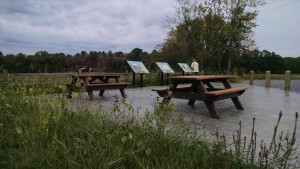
x=165, y=67
x=185, y=67
x=137, y=67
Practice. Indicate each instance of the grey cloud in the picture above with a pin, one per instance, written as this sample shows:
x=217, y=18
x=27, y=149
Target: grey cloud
x=70, y=26
x=91, y=25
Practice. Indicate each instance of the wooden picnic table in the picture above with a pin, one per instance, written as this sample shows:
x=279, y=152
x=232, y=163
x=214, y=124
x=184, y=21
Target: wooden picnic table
x=199, y=87
x=99, y=81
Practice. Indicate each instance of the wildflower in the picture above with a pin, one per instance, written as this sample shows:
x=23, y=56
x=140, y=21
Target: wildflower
x=280, y=114
x=266, y=154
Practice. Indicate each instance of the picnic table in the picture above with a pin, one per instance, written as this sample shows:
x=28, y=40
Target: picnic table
x=98, y=81
x=200, y=87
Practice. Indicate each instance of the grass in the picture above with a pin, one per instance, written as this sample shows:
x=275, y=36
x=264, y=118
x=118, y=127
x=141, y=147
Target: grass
x=39, y=130
x=273, y=76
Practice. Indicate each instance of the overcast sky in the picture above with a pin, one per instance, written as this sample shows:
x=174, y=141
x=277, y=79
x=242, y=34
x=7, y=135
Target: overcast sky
x=72, y=26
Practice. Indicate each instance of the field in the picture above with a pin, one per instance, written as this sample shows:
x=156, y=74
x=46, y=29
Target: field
x=273, y=76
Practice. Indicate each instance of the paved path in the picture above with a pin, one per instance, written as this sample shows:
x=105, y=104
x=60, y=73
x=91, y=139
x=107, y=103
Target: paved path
x=262, y=103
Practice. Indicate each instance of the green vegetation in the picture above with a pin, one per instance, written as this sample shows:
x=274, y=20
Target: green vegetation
x=40, y=130
x=273, y=76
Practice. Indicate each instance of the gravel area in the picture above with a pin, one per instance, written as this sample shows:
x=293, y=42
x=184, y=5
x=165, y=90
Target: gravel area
x=279, y=84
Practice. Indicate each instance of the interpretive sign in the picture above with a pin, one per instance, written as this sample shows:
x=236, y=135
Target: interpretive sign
x=185, y=67
x=137, y=67
x=165, y=67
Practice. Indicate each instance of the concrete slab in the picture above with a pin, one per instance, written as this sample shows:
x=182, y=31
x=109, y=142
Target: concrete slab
x=263, y=104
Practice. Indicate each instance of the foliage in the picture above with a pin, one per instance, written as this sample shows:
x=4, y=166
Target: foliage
x=42, y=131
x=263, y=61
x=214, y=31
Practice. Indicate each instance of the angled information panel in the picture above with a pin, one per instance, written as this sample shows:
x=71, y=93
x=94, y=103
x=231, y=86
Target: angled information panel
x=185, y=67
x=137, y=67
x=165, y=67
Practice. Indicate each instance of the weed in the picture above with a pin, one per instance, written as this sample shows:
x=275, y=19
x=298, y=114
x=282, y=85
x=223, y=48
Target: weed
x=39, y=130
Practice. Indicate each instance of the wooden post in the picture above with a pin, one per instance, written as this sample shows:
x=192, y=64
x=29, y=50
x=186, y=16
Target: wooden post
x=133, y=79
x=287, y=84
x=167, y=79
x=251, y=77
x=142, y=79
x=268, y=79
x=161, y=78
x=5, y=75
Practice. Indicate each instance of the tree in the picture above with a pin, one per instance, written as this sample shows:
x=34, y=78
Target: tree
x=2, y=61
x=136, y=54
x=292, y=64
x=185, y=39
x=217, y=30
x=21, y=63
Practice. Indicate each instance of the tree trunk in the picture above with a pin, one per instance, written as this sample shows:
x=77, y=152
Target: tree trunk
x=229, y=64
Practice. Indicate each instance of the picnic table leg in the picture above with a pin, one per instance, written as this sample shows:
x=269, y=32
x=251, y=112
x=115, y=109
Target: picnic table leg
x=123, y=93
x=70, y=90
x=212, y=109
x=166, y=100
x=71, y=86
x=235, y=100
x=90, y=93
x=101, y=92
x=237, y=103
x=191, y=102
x=197, y=87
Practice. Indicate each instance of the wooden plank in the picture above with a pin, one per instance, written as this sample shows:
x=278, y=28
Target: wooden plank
x=226, y=91
x=98, y=75
x=106, y=84
x=203, y=77
x=188, y=96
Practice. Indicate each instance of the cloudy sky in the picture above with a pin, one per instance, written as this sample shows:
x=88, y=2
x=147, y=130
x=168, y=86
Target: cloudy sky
x=72, y=26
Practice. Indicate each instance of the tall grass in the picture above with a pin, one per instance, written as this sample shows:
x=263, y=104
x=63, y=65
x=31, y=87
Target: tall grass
x=41, y=131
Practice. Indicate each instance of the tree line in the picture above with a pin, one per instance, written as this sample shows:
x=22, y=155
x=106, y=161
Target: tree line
x=44, y=62
x=217, y=33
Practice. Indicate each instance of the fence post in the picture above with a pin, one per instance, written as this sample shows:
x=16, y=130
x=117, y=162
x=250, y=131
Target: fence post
x=251, y=77
x=287, y=77
x=268, y=79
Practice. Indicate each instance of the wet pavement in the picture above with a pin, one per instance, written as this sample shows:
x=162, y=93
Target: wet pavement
x=263, y=104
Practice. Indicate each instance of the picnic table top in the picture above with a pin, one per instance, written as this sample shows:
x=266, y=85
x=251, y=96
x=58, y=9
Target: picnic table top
x=202, y=77
x=99, y=74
